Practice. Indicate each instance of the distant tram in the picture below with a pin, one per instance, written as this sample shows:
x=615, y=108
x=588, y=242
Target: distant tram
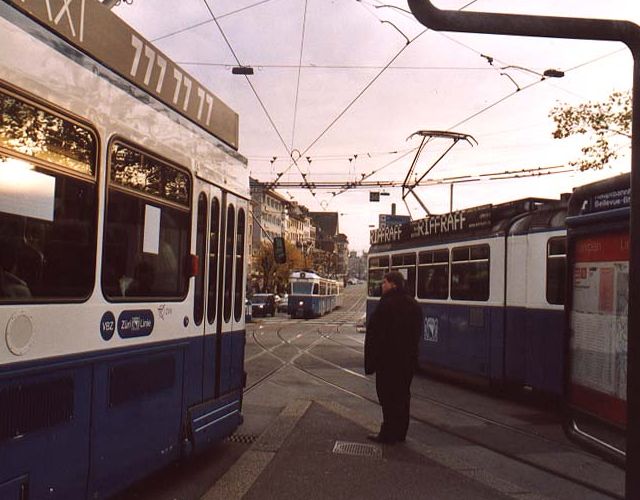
x=311, y=295
x=490, y=281
x=123, y=215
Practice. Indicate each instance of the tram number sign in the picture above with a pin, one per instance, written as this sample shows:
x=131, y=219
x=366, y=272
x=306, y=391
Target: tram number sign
x=95, y=30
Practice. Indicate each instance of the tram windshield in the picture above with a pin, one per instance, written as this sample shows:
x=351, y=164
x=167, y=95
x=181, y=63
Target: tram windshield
x=301, y=287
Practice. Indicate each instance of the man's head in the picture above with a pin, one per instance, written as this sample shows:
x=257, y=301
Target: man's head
x=393, y=280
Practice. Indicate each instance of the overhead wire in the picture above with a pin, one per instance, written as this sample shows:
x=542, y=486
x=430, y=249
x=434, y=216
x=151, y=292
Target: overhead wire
x=295, y=106
x=338, y=66
x=208, y=21
x=353, y=101
x=255, y=92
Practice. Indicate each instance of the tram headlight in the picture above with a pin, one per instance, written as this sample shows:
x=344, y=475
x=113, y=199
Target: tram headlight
x=301, y=303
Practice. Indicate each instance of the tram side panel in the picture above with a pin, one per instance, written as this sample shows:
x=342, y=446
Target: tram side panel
x=463, y=333
x=534, y=311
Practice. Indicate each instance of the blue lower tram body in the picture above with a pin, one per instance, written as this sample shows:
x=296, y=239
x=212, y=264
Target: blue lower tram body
x=311, y=306
x=500, y=346
x=88, y=426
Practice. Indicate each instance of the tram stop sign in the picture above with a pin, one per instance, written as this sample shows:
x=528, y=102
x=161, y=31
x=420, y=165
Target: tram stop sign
x=279, y=250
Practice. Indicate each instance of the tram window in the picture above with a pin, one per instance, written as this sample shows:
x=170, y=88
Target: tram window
x=48, y=205
x=228, y=261
x=315, y=289
x=470, y=273
x=146, y=237
x=39, y=134
x=556, y=270
x=406, y=264
x=201, y=227
x=238, y=302
x=45, y=256
x=214, y=250
x=433, y=275
x=323, y=288
x=378, y=267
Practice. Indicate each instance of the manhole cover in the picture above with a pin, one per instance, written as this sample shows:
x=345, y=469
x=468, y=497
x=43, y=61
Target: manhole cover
x=357, y=449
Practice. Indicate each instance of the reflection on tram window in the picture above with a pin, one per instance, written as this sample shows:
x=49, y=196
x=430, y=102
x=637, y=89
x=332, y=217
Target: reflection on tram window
x=47, y=244
x=146, y=238
x=135, y=170
x=31, y=131
x=470, y=273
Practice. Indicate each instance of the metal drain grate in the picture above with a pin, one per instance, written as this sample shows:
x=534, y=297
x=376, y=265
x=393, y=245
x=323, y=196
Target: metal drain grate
x=357, y=449
x=241, y=438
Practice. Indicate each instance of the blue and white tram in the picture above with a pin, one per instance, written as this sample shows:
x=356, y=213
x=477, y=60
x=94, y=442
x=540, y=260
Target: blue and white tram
x=311, y=295
x=123, y=214
x=490, y=281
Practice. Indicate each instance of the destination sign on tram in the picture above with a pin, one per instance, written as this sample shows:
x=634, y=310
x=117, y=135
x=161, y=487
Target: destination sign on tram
x=460, y=221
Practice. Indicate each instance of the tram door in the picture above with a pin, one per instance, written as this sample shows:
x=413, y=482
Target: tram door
x=220, y=280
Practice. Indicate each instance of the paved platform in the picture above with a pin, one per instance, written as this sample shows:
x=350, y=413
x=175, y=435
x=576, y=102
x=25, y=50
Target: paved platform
x=295, y=457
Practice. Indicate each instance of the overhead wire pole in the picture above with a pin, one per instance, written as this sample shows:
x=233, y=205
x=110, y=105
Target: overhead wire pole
x=580, y=29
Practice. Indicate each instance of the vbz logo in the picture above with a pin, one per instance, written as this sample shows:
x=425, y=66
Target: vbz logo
x=430, y=329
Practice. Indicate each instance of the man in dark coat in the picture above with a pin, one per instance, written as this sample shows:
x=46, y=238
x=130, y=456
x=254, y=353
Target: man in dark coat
x=391, y=352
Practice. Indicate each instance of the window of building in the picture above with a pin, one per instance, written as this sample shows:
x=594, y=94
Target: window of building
x=433, y=274
x=556, y=270
x=48, y=204
x=470, y=273
x=147, y=227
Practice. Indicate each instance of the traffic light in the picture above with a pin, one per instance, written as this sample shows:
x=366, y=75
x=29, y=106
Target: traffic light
x=279, y=250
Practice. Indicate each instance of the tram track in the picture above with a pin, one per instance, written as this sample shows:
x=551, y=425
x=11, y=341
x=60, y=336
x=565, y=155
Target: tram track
x=418, y=419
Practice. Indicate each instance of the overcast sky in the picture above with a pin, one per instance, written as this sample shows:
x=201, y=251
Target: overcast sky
x=313, y=58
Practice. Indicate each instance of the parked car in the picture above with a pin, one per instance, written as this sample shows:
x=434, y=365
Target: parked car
x=283, y=305
x=263, y=304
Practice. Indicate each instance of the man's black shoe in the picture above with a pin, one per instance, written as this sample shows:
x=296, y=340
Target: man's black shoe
x=380, y=439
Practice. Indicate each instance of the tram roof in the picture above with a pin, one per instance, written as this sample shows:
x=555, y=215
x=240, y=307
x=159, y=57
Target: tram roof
x=307, y=274
x=95, y=30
